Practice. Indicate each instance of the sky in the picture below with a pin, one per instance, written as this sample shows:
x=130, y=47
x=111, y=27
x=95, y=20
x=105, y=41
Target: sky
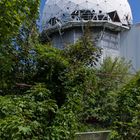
x=135, y=6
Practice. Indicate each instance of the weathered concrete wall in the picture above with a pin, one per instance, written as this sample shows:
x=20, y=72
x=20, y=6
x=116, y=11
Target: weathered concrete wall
x=99, y=135
x=107, y=40
x=62, y=38
x=125, y=44
x=110, y=43
x=130, y=46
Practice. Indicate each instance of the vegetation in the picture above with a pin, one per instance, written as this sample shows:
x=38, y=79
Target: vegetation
x=50, y=94
x=128, y=107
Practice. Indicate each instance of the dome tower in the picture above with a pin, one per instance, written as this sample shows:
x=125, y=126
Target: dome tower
x=63, y=21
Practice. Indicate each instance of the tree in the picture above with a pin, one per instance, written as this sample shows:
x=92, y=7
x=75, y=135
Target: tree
x=83, y=52
x=47, y=93
x=27, y=116
x=52, y=68
x=110, y=78
x=127, y=113
x=12, y=15
x=16, y=33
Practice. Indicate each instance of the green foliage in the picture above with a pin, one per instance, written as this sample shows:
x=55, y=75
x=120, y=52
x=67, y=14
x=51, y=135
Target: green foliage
x=12, y=15
x=74, y=96
x=17, y=32
x=83, y=52
x=80, y=86
x=50, y=94
x=128, y=108
x=65, y=125
x=28, y=116
x=50, y=67
x=111, y=76
x=113, y=73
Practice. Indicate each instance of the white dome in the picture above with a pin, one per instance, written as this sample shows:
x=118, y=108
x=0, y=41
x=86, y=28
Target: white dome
x=62, y=9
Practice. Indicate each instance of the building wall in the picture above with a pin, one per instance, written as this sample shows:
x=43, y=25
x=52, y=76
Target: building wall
x=125, y=44
x=110, y=43
x=108, y=40
x=130, y=46
x=62, y=38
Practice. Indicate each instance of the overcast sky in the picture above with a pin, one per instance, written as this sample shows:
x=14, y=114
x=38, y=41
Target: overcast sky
x=135, y=5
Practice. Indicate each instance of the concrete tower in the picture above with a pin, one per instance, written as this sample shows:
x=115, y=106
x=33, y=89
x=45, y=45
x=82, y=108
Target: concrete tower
x=64, y=22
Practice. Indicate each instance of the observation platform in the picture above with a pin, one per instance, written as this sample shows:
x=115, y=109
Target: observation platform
x=117, y=27
x=109, y=21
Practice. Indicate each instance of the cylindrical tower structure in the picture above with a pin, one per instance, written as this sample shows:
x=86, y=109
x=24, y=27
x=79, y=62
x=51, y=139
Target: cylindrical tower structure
x=63, y=21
